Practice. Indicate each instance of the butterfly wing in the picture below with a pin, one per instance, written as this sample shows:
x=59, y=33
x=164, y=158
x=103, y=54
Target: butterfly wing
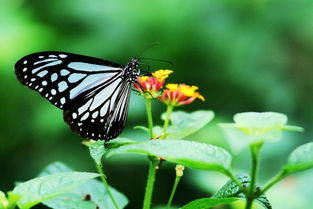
x=102, y=113
x=60, y=77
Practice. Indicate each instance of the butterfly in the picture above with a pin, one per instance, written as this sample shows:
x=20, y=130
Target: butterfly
x=93, y=93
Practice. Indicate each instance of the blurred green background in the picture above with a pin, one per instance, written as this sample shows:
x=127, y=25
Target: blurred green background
x=245, y=55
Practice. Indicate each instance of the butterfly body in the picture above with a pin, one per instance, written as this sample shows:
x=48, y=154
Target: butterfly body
x=93, y=93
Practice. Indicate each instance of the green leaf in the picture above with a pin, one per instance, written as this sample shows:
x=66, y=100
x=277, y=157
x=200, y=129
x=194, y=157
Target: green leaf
x=300, y=159
x=76, y=198
x=206, y=203
x=42, y=188
x=230, y=189
x=255, y=127
x=98, y=148
x=13, y=198
x=184, y=124
x=191, y=154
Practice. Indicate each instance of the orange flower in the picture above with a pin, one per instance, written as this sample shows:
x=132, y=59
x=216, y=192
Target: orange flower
x=180, y=94
x=151, y=85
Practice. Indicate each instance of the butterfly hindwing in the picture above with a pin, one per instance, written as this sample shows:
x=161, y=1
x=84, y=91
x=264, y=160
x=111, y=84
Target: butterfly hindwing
x=101, y=113
x=60, y=76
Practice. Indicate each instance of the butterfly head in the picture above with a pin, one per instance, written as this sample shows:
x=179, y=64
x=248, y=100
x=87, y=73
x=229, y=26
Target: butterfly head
x=131, y=69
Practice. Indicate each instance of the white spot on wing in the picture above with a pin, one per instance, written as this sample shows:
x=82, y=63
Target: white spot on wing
x=24, y=69
x=62, y=100
x=85, y=116
x=54, y=77
x=25, y=62
x=42, y=73
x=95, y=114
x=74, y=115
x=53, y=92
x=62, y=55
x=44, y=83
x=65, y=72
x=62, y=86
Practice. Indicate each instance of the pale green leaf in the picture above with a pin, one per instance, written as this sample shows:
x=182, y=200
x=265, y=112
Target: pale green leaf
x=254, y=127
x=301, y=158
x=75, y=198
x=206, y=203
x=42, y=188
x=184, y=124
x=191, y=154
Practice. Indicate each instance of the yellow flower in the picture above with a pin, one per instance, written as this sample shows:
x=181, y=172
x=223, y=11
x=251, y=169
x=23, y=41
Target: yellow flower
x=179, y=94
x=143, y=78
x=162, y=74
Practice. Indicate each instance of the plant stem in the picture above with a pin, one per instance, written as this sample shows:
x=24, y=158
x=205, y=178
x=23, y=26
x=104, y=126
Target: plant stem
x=173, y=191
x=153, y=161
x=251, y=195
x=105, y=183
x=167, y=119
x=282, y=174
x=249, y=203
x=255, y=150
x=149, y=116
x=150, y=184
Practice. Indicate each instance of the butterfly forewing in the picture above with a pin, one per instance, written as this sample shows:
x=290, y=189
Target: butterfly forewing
x=60, y=76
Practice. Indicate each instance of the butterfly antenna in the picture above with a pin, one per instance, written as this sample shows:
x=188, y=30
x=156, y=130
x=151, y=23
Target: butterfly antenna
x=160, y=60
x=148, y=47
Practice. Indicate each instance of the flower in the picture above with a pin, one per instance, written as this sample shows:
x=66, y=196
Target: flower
x=180, y=94
x=150, y=85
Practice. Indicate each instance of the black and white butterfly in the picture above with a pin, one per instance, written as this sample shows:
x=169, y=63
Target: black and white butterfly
x=93, y=93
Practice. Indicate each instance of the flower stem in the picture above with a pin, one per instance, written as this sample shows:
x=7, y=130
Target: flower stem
x=249, y=203
x=149, y=116
x=251, y=194
x=167, y=119
x=150, y=184
x=153, y=161
x=255, y=150
x=173, y=191
x=282, y=174
x=105, y=183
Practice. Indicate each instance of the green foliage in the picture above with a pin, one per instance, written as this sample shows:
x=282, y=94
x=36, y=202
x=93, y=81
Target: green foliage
x=76, y=198
x=184, y=124
x=206, y=203
x=255, y=127
x=231, y=189
x=191, y=154
x=300, y=159
x=43, y=188
x=8, y=202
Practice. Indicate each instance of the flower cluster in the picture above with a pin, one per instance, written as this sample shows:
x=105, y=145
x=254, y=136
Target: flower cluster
x=150, y=86
x=180, y=94
x=173, y=94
